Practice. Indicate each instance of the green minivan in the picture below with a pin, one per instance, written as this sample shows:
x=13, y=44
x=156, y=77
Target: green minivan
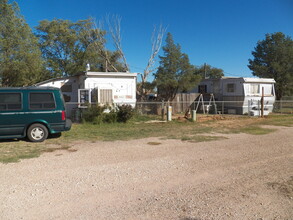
x=32, y=112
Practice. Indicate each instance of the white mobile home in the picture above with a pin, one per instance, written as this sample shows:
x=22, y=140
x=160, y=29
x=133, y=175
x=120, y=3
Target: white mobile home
x=95, y=87
x=240, y=95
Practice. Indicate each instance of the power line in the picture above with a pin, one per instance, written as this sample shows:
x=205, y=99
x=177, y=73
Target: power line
x=137, y=67
x=233, y=75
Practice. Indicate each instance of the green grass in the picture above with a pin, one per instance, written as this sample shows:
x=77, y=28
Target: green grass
x=137, y=128
x=279, y=120
x=255, y=130
x=201, y=138
x=144, y=118
x=12, y=151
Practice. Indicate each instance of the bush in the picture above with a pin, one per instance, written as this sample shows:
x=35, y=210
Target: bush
x=124, y=113
x=95, y=114
x=110, y=117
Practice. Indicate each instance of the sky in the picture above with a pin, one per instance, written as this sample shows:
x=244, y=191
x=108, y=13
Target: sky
x=222, y=33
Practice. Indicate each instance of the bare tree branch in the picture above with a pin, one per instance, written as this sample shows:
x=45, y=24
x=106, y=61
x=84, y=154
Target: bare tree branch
x=94, y=34
x=157, y=38
x=115, y=31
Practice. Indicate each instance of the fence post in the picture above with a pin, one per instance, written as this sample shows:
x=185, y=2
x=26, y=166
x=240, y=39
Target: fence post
x=223, y=107
x=193, y=115
x=258, y=107
x=169, y=113
x=262, y=102
x=163, y=110
x=248, y=110
x=281, y=106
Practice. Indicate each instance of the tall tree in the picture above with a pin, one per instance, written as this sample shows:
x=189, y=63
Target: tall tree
x=175, y=73
x=68, y=46
x=114, y=25
x=145, y=87
x=273, y=58
x=207, y=71
x=20, y=57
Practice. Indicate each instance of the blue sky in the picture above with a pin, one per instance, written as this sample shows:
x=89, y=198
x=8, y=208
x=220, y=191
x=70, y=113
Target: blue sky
x=221, y=33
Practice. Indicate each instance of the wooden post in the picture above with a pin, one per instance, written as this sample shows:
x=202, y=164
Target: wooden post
x=248, y=108
x=223, y=107
x=163, y=110
x=262, y=102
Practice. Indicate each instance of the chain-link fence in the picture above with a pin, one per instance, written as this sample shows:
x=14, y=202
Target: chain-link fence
x=217, y=107
x=205, y=107
x=251, y=108
x=283, y=107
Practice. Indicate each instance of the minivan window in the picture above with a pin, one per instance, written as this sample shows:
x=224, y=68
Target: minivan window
x=40, y=101
x=10, y=101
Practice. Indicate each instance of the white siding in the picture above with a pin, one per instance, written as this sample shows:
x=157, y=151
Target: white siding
x=124, y=88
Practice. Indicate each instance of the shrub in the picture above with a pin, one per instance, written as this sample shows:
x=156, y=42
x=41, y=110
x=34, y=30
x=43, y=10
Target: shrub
x=110, y=117
x=93, y=113
x=124, y=113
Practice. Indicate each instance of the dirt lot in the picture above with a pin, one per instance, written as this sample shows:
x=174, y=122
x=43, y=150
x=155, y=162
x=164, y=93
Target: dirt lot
x=241, y=177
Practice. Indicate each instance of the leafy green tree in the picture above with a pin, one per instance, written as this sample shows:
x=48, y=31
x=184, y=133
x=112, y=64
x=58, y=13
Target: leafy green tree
x=207, y=71
x=273, y=58
x=68, y=46
x=20, y=56
x=175, y=73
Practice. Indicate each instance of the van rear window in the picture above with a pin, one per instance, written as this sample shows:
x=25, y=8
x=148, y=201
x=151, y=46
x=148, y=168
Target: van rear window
x=39, y=101
x=10, y=101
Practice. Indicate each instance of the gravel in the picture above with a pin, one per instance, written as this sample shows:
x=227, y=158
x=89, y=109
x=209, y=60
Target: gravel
x=241, y=177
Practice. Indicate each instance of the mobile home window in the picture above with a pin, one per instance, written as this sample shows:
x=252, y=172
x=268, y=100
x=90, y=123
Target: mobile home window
x=67, y=98
x=66, y=88
x=10, y=101
x=40, y=101
x=202, y=88
x=230, y=87
x=254, y=89
x=106, y=96
x=84, y=97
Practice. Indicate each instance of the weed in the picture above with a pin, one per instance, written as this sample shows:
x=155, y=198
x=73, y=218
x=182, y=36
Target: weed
x=154, y=143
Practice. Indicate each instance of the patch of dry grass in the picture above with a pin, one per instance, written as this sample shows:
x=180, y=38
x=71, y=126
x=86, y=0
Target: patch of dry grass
x=154, y=143
x=13, y=150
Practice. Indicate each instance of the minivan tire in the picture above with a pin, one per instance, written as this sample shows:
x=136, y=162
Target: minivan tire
x=37, y=133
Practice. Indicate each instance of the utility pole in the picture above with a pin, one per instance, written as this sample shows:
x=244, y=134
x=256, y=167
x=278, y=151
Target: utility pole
x=262, y=102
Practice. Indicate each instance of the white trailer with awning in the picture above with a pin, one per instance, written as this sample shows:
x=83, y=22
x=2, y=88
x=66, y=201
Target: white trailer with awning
x=240, y=95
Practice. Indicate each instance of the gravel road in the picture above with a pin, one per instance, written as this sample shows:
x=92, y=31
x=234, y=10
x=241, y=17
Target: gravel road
x=241, y=177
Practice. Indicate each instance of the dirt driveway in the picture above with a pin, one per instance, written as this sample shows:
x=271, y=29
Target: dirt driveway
x=241, y=177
